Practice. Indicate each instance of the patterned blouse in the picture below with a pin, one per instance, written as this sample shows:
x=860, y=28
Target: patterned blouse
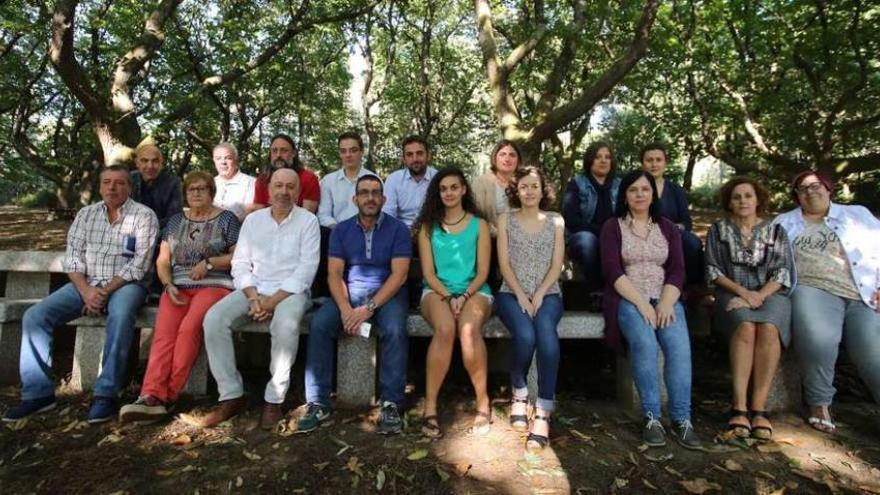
x=531, y=254
x=191, y=241
x=643, y=259
x=767, y=257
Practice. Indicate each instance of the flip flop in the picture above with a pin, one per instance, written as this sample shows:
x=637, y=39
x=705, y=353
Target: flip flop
x=431, y=427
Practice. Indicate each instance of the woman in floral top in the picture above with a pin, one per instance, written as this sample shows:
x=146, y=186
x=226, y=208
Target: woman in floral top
x=749, y=262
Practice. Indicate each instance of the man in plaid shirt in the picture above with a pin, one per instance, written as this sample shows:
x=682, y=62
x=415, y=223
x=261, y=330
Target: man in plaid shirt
x=109, y=252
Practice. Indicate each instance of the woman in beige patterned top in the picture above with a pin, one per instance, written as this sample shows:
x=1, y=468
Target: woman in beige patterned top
x=530, y=252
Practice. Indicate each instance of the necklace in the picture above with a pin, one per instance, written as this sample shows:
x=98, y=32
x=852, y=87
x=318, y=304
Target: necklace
x=455, y=222
x=649, y=226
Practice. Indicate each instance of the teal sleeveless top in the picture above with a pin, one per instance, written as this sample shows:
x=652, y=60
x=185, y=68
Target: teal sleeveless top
x=455, y=257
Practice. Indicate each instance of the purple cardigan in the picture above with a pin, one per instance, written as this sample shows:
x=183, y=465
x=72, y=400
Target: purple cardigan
x=612, y=269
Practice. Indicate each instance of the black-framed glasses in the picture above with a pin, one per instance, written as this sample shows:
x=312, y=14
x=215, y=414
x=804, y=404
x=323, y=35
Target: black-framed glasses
x=813, y=188
x=197, y=189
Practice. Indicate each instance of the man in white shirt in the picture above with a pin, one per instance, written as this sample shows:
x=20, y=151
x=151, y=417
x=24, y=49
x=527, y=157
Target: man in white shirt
x=337, y=188
x=235, y=189
x=273, y=266
x=405, y=189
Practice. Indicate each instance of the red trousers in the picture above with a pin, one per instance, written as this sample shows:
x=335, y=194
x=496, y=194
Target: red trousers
x=177, y=340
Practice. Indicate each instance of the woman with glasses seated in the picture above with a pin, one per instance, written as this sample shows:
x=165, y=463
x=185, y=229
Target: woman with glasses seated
x=193, y=265
x=836, y=295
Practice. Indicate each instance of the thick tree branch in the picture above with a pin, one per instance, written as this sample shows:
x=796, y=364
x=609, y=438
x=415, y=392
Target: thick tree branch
x=63, y=57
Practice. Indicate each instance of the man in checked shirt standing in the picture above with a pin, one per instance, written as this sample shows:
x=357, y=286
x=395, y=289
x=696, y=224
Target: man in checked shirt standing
x=109, y=251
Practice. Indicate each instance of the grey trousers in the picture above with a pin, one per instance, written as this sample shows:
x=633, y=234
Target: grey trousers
x=820, y=320
x=230, y=313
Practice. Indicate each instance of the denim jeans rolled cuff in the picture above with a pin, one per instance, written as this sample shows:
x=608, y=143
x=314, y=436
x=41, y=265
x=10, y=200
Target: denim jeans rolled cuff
x=644, y=343
x=65, y=304
x=533, y=337
x=820, y=322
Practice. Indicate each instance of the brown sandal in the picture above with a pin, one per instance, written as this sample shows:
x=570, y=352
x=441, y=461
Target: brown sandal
x=431, y=427
x=761, y=432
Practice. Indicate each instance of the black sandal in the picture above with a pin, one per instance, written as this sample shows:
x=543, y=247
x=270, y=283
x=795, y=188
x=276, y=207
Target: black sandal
x=431, y=427
x=519, y=422
x=762, y=432
x=741, y=431
x=535, y=441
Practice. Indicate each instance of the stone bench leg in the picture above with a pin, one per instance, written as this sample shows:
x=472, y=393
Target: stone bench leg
x=627, y=395
x=10, y=344
x=356, y=371
x=88, y=349
x=197, y=385
x=785, y=391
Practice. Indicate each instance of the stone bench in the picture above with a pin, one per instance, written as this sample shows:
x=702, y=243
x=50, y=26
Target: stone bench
x=356, y=357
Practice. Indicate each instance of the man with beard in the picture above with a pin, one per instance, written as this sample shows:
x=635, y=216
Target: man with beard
x=283, y=154
x=109, y=250
x=153, y=186
x=405, y=189
x=235, y=189
x=272, y=268
x=369, y=258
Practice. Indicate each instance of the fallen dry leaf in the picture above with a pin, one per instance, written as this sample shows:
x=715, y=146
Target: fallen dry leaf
x=732, y=465
x=182, y=439
x=320, y=466
x=17, y=425
x=462, y=468
x=354, y=466
x=659, y=458
x=251, y=455
x=672, y=471
x=767, y=475
x=769, y=448
x=111, y=438
x=239, y=482
x=648, y=484
x=418, y=455
x=444, y=476
x=699, y=486
x=380, y=480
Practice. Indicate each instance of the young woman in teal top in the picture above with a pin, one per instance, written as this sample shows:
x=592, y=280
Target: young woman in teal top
x=455, y=249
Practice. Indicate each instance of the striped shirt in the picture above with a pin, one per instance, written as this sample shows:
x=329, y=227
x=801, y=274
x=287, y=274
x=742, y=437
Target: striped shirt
x=102, y=250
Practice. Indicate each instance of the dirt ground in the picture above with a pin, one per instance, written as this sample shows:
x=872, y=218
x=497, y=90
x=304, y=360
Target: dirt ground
x=596, y=445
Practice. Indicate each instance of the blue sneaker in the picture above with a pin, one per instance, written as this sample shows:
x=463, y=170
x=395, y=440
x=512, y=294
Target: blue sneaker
x=103, y=409
x=314, y=416
x=29, y=407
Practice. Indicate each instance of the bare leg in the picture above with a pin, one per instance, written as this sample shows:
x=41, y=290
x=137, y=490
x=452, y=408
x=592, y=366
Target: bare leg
x=439, y=316
x=742, y=357
x=768, y=349
x=473, y=348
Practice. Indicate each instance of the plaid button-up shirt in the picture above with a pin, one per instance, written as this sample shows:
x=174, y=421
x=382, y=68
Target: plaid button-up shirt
x=102, y=250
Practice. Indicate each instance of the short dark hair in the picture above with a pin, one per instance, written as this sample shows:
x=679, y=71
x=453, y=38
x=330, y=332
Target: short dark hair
x=726, y=192
x=824, y=179
x=369, y=177
x=117, y=167
x=654, y=145
x=628, y=180
x=547, y=194
x=199, y=176
x=592, y=151
x=415, y=138
x=351, y=135
x=503, y=144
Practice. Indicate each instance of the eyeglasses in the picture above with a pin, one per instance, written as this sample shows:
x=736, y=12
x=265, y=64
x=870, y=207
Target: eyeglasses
x=813, y=188
x=197, y=189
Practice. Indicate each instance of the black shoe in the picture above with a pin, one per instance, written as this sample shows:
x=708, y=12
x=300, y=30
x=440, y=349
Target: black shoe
x=389, y=420
x=653, y=434
x=686, y=436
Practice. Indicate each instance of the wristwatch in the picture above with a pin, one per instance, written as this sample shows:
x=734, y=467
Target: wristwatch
x=208, y=264
x=371, y=305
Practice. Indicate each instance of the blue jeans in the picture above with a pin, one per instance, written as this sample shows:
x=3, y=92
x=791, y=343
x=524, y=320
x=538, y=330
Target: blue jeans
x=324, y=331
x=675, y=343
x=819, y=322
x=60, y=307
x=530, y=335
x=583, y=249
x=694, y=267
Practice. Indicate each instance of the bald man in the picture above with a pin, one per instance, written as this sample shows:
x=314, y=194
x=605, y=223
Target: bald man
x=273, y=267
x=153, y=186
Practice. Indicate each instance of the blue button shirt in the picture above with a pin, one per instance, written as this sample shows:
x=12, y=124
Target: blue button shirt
x=368, y=254
x=404, y=196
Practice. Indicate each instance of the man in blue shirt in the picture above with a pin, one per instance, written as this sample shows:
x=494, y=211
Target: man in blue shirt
x=369, y=258
x=405, y=188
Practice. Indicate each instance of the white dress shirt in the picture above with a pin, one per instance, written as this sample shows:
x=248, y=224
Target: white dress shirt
x=271, y=256
x=336, y=193
x=235, y=194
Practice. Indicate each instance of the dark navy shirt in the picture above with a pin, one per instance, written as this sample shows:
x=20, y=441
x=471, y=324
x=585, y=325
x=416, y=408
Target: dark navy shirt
x=368, y=254
x=164, y=196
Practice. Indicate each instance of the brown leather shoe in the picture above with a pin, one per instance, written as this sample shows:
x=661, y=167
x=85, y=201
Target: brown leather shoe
x=221, y=412
x=271, y=416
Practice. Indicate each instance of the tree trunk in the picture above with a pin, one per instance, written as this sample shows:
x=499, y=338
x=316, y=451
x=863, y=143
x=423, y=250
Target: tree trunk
x=689, y=169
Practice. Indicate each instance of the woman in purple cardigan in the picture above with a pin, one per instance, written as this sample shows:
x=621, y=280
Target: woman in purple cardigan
x=643, y=267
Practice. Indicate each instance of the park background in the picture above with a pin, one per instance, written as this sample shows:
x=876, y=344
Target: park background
x=767, y=88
